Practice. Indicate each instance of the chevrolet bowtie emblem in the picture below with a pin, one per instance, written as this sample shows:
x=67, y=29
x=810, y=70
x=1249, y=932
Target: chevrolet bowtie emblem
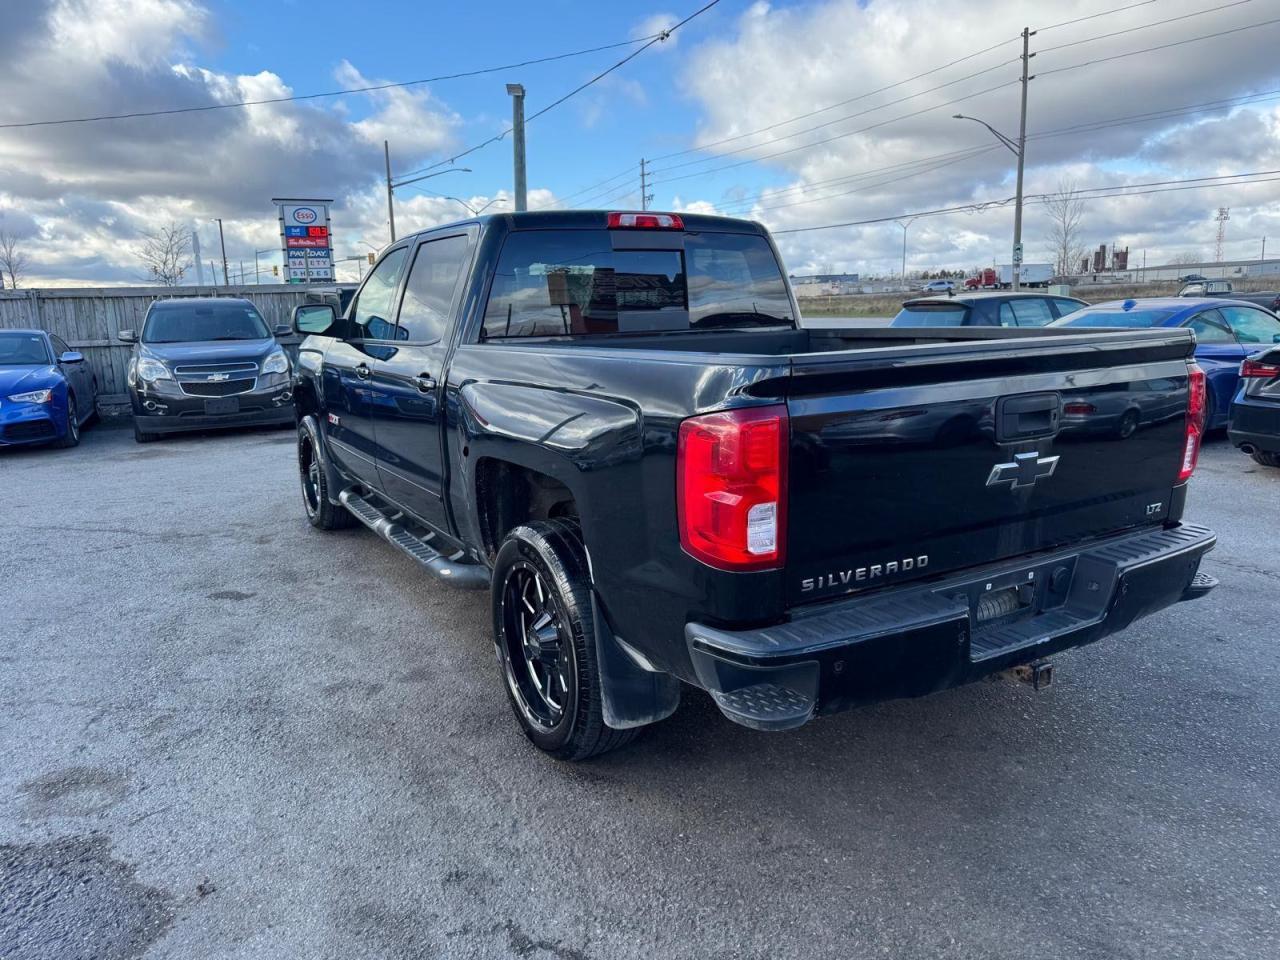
x=1025, y=470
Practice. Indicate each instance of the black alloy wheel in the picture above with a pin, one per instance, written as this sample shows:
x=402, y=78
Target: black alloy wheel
x=540, y=664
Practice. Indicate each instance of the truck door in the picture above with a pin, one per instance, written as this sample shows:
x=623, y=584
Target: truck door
x=350, y=397
x=409, y=379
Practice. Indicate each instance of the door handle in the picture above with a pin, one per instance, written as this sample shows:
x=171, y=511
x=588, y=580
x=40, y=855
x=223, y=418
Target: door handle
x=362, y=372
x=425, y=382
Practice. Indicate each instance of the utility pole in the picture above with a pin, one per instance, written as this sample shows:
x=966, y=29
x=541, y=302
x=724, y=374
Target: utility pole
x=226, y=280
x=645, y=195
x=391, y=212
x=904, y=246
x=1027, y=34
x=517, y=140
x=195, y=251
x=213, y=274
x=1262, y=259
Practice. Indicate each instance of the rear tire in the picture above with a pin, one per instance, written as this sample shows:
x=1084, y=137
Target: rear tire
x=544, y=637
x=1266, y=458
x=321, y=513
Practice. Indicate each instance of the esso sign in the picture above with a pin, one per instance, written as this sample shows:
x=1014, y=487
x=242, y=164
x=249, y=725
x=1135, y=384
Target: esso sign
x=304, y=215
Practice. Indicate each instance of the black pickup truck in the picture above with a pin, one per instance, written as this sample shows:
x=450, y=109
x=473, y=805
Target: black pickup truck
x=616, y=424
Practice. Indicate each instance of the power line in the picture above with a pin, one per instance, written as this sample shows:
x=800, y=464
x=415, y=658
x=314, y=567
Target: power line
x=851, y=116
x=656, y=38
x=331, y=93
x=1163, y=46
x=1145, y=26
x=840, y=136
x=861, y=96
x=599, y=183
x=1093, y=16
x=1122, y=190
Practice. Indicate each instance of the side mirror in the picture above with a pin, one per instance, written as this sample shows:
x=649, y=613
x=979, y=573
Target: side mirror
x=282, y=330
x=72, y=356
x=317, y=318
x=127, y=336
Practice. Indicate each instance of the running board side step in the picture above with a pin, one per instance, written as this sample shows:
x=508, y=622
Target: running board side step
x=453, y=569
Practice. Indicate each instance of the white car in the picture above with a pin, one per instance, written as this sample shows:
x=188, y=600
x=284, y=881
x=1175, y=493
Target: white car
x=938, y=286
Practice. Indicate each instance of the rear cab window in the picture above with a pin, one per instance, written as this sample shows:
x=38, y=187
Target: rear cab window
x=556, y=283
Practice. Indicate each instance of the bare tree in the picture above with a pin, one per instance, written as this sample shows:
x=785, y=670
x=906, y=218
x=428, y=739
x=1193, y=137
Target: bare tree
x=1066, y=214
x=166, y=254
x=13, y=260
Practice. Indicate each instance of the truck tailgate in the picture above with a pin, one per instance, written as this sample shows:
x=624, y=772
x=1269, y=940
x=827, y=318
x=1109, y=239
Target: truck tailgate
x=913, y=461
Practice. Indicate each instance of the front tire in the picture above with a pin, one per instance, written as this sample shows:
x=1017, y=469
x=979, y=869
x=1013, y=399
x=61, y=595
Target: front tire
x=544, y=636
x=321, y=513
x=142, y=436
x=71, y=429
x=1266, y=458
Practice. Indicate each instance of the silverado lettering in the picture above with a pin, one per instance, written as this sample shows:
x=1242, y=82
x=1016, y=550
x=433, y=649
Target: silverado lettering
x=858, y=574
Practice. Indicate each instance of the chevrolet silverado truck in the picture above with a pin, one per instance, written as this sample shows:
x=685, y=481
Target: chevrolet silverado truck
x=617, y=425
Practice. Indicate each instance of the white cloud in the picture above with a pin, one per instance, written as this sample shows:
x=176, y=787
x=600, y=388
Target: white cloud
x=782, y=62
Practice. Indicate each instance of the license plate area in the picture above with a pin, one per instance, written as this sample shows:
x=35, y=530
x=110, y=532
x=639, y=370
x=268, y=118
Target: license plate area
x=220, y=406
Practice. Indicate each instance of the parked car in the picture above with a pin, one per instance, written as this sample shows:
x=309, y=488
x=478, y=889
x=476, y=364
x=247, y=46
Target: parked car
x=938, y=286
x=1226, y=330
x=986, y=310
x=1207, y=288
x=47, y=391
x=1191, y=278
x=203, y=363
x=1255, y=411
x=613, y=423
x=1267, y=298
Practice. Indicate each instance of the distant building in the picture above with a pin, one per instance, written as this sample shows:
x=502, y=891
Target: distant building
x=825, y=284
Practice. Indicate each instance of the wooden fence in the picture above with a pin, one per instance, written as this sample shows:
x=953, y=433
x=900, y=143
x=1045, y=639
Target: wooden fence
x=89, y=319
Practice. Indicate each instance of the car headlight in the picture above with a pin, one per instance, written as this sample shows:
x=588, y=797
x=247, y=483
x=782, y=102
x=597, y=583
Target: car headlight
x=276, y=362
x=35, y=396
x=151, y=370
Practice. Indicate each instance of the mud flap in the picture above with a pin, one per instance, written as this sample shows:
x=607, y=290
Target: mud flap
x=632, y=695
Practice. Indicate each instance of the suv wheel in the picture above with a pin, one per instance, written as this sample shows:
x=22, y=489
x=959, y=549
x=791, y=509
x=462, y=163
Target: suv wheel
x=545, y=641
x=321, y=514
x=1266, y=457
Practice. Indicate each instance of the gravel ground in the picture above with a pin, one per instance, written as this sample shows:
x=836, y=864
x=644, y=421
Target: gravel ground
x=226, y=735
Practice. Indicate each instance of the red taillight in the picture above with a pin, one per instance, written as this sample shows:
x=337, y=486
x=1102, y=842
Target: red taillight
x=731, y=478
x=645, y=221
x=1078, y=408
x=1256, y=368
x=1196, y=409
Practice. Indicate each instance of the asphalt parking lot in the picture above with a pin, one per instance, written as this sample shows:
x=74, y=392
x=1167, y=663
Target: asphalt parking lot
x=227, y=735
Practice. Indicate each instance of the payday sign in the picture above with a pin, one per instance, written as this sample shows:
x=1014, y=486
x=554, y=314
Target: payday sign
x=306, y=239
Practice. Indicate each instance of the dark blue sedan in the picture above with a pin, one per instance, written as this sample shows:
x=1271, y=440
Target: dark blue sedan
x=47, y=391
x=1226, y=332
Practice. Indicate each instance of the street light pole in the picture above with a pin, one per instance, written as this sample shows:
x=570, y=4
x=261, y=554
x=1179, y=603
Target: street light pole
x=904, y=227
x=391, y=211
x=517, y=139
x=226, y=280
x=1019, y=149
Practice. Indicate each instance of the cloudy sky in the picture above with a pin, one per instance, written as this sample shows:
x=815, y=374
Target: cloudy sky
x=799, y=114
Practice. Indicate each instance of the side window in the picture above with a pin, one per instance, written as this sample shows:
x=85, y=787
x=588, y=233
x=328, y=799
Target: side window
x=59, y=346
x=1030, y=312
x=429, y=291
x=1252, y=326
x=373, y=310
x=1066, y=307
x=1209, y=328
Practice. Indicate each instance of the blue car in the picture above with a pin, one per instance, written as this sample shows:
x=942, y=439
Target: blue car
x=1226, y=332
x=47, y=391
